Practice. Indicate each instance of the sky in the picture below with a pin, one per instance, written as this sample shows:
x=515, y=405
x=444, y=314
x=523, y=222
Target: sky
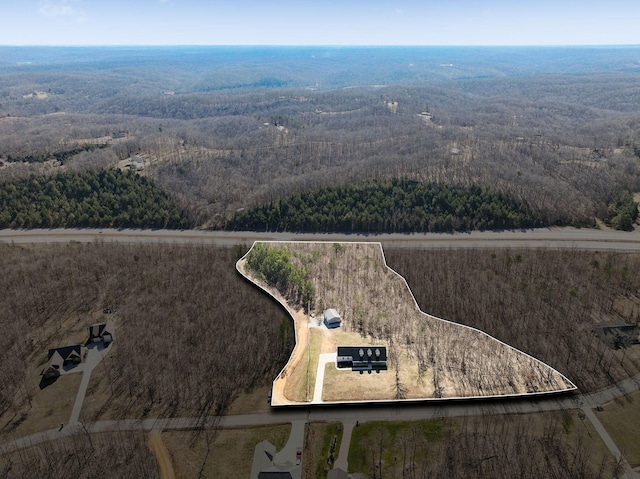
x=319, y=22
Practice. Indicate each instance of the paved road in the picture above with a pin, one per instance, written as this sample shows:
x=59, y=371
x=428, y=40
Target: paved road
x=342, y=461
x=543, y=237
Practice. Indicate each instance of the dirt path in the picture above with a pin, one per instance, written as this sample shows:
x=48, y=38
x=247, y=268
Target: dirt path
x=302, y=339
x=159, y=449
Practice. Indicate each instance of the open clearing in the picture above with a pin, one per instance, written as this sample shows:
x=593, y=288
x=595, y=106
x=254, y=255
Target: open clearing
x=428, y=357
x=231, y=450
x=621, y=418
x=50, y=407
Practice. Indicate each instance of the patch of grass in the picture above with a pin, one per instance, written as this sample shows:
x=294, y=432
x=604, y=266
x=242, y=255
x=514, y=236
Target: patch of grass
x=370, y=439
x=317, y=448
x=347, y=385
x=621, y=419
x=231, y=451
x=50, y=407
x=299, y=384
x=558, y=442
x=251, y=402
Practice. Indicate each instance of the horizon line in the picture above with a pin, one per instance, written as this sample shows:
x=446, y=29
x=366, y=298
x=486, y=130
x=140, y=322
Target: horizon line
x=301, y=45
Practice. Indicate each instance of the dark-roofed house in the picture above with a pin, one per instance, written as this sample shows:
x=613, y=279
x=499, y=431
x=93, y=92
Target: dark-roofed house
x=337, y=474
x=101, y=333
x=60, y=357
x=362, y=358
x=275, y=475
x=263, y=466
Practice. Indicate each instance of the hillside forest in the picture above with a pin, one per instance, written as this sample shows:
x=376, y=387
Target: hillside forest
x=541, y=136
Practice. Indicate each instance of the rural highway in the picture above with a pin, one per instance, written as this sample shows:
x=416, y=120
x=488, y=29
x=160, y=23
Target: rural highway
x=591, y=239
x=555, y=238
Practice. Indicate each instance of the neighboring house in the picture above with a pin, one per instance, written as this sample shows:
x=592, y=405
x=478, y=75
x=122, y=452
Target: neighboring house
x=362, y=358
x=331, y=318
x=275, y=475
x=263, y=466
x=101, y=333
x=119, y=134
x=60, y=357
x=618, y=334
x=136, y=163
x=337, y=474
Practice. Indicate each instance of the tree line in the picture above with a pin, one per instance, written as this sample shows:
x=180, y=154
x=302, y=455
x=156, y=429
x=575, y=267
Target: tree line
x=623, y=211
x=396, y=205
x=105, y=198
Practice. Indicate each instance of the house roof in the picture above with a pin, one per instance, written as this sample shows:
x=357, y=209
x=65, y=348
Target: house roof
x=100, y=329
x=55, y=362
x=337, y=473
x=363, y=353
x=274, y=475
x=331, y=314
x=66, y=352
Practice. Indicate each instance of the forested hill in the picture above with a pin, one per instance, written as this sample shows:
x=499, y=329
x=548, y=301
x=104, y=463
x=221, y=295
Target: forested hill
x=390, y=206
x=106, y=198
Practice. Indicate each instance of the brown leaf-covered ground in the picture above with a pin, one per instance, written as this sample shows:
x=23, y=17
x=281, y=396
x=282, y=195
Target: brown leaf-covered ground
x=428, y=357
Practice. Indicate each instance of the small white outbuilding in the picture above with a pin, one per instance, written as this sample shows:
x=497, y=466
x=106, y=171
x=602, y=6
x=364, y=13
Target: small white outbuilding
x=331, y=318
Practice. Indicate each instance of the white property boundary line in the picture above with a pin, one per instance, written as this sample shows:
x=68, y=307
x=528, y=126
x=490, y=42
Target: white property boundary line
x=455, y=398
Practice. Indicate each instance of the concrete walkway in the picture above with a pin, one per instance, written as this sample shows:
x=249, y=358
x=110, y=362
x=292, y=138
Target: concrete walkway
x=323, y=360
x=611, y=445
x=95, y=353
x=343, y=455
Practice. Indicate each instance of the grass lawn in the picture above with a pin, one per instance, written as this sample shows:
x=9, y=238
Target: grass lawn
x=391, y=449
x=231, y=451
x=299, y=386
x=317, y=462
x=251, y=402
x=621, y=419
x=50, y=407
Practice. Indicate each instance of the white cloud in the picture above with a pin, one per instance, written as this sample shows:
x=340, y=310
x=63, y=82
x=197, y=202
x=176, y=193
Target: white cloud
x=61, y=9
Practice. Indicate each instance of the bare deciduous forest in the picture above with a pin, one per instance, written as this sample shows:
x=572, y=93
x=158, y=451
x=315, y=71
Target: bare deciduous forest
x=231, y=128
x=544, y=302
x=169, y=299
x=431, y=358
x=223, y=130
x=191, y=333
x=84, y=457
